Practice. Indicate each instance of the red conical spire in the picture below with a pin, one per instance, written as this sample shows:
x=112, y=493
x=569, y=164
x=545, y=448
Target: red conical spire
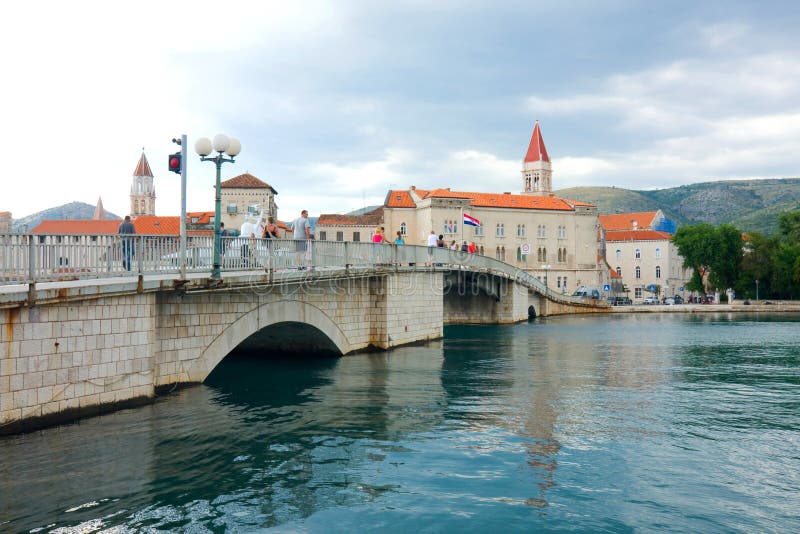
x=537, y=150
x=143, y=168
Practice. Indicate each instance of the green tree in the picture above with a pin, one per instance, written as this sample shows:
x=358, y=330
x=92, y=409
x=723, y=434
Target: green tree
x=717, y=251
x=789, y=225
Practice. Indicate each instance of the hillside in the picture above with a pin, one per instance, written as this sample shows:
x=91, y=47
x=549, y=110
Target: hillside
x=73, y=211
x=750, y=205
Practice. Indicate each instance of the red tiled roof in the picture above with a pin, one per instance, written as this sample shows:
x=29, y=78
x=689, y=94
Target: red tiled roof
x=503, y=200
x=402, y=199
x=637, y=235
x=144, y=224
x=203, y=217
x=143, y=168
x=5, y=213
x=614, y=273
x=90, y=227
x=537, y=150
x=246, y=181
x=624, y=221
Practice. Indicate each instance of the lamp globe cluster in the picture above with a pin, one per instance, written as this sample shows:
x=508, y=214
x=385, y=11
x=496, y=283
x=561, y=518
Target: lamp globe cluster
x=221, y=143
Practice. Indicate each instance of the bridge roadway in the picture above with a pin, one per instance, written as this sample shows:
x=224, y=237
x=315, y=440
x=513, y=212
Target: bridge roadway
x=77, y=346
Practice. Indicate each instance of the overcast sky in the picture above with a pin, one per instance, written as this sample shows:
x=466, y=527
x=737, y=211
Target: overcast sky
x=336, y=102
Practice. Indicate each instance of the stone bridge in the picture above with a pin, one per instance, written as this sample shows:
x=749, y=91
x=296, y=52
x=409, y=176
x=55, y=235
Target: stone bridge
x=76, y=347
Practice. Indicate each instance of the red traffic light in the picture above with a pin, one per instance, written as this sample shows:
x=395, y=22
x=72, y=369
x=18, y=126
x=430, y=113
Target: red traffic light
x=175, y=162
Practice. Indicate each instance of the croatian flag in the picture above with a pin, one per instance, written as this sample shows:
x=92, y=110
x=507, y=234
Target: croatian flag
x=471, y=221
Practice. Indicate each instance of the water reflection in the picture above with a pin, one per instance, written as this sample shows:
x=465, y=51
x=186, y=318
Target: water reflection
x=617, y=423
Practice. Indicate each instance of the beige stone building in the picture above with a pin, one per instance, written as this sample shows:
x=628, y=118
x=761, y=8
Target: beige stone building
x=534, y=230
x=644, y=258
x=244, y=196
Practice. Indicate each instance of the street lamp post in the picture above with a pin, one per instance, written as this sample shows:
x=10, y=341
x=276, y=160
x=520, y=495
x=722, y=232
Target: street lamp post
x=221, y=144
x=545, y=268
x=756, y=290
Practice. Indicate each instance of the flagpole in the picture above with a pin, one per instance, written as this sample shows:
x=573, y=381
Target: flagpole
x=462, y=228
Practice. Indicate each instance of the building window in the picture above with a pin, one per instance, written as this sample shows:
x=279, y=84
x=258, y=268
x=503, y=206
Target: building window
x=637, y=292
x=211, y=219
x=500, y=230
x=339, y=236
x=356, y=236
x=658, y=253
x=519, y=254
x=478, y=231
x=520, y=230
x=403, y=229
x=323, y=235
x=562, y=232
x=564, y=286
x=638, y=272
x=658, y=271
x=195, y=219
x=497, y=254
x=232, y=209
x=562, y=255
x=502, y=253
x=637, y=254
x=558, y=282
x=481, y=251
x=541, y=231
x=541, y=254
x=450, y=227
x=619, y=254
x=619, y=271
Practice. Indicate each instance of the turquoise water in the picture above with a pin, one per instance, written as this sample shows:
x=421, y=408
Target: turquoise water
x=654, y=422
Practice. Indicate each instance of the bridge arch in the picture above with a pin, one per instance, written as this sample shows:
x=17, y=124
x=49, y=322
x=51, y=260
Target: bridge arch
x=265, y=315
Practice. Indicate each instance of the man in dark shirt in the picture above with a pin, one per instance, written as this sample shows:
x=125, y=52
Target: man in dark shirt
x=127, y=228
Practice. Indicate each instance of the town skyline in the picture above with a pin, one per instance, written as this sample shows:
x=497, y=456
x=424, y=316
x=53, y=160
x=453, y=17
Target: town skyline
x=337, y=103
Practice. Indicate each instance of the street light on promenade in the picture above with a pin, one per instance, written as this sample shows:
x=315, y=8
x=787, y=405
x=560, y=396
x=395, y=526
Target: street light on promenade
x=756, y=290
x=221, y=144
x=546, y=268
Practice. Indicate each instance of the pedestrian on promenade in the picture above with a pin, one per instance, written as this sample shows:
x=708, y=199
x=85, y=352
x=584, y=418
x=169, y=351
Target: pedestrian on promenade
x=301, y=235
x=432, y=243
x=128, y=246
x=399, y=239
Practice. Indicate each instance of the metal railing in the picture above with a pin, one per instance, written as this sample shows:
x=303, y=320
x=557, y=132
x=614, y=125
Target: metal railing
x=26, y=259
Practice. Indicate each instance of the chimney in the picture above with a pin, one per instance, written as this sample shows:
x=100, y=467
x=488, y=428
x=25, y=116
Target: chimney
x=413, y=187
x=506, y=192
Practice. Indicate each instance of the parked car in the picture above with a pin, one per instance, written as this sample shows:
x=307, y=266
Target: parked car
x=619, y=301
x=669, y=301
x=678, y=299
x=650, y=300
x=587, y=293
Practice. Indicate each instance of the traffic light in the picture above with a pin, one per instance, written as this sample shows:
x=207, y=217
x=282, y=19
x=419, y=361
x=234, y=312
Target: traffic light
x=175, y=162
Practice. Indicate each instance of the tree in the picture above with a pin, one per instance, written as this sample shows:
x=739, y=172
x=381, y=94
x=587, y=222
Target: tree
x=726, y=257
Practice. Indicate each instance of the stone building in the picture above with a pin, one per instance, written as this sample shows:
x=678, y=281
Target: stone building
x=245, y=194
x=143, y=191
x=534, y=230
x=5, y=222
x=335, y=227
x=642, y=257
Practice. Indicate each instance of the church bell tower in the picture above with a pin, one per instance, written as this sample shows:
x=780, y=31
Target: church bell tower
x=143, y=192
x=537, y=173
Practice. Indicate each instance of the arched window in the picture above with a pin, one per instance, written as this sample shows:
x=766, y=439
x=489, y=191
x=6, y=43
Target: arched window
x=519, y=254
x=502, y=253
x=544, y=254
x=497, y=254
x=658, y=271
x=619, y=254
x=619, y=271
x=638, y=272
x=658, y=253
x=403, y=229
x=637, y=254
